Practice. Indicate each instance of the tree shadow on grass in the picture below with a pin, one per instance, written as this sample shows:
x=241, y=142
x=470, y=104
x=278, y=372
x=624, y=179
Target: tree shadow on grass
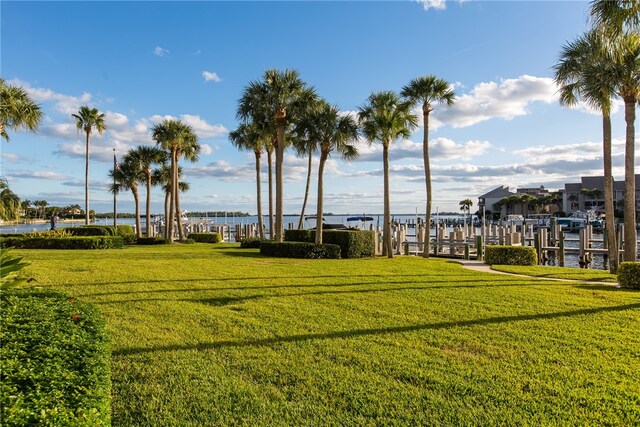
x=375, y=331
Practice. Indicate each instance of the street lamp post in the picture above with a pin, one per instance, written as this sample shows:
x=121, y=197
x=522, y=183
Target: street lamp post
x=115, y=168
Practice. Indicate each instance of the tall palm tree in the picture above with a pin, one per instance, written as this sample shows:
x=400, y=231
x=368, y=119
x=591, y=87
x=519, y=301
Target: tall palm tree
x=162, y=177
x=247, y=136
x=276, y=101
x=465, y=206
x=614, y=17
x=429, y=91
x=386, y=118
x=180, y=140
x=145, y=157
x=86, y=120
x=331, y=131
x=584, y=72
x=127, y=176
x=25, y=205
x=17, y=110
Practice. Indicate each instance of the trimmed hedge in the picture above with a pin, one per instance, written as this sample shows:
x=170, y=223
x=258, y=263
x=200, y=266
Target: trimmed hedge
x=353, y=243
x=510, y=255
x=76, y=242
x=205, y=237
x=299, y=250
x=251, y=242
x=92, y=230
x=629, y=275
x=54, y=360
x=152, y=241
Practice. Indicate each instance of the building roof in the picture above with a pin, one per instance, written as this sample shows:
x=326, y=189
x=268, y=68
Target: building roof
x=498, y=192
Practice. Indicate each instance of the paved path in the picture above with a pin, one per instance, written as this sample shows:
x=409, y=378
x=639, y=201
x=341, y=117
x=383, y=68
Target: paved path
x=485, y=268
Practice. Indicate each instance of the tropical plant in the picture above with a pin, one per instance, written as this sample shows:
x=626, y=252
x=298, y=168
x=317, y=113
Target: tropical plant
x=465, y=206
x=10, y=265
x=248, y=136
x=584, y=72
x=276, y=101
x=385, y=118
x=180, y=140
x=330, y=131
x=9, y=202
x=86, y=120
x=17, y=110
x=615, y=17
x=25, y=205
x=127, y=176
x=162, y=177
x=145, y=157
x=428, y=91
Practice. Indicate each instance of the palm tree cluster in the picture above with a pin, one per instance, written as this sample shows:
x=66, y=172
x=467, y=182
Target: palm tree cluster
x=281, y=110
x=17, y=110
x=527, y=202
x=10, y=207
x=598, y=67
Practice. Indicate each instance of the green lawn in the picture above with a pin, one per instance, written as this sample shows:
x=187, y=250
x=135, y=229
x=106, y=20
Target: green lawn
x=212, y=335
x=559, y=272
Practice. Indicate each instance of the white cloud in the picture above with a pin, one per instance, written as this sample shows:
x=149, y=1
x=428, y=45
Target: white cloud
x=65, y=104
x=210, y=76
x=432, y=4
x=158, y=51
x=440, y=149
x=54, y=176
x=9, y=156
x=199, y=125
x=206, y=149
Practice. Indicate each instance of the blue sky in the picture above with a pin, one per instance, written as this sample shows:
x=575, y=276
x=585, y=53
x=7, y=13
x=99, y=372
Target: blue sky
x=141, y=61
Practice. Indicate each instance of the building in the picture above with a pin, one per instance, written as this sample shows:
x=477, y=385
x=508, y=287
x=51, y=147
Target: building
x=487, y=200
x=588, y=194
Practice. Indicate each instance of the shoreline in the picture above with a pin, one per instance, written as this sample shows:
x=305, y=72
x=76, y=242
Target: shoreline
x=38, y=221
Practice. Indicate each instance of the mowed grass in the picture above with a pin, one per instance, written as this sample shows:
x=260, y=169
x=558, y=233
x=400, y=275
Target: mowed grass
x=213, y=335
x=559, y=272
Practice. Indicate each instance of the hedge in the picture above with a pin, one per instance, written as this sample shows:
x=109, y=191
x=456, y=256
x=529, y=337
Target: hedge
x=629, y=275
x=510, y=255
x=75, y=242
x=152, y=241
x=299, y=250
x=205, y=237
x=251, y=242
x=54, y=361
x=92, y=230
x=353, y=243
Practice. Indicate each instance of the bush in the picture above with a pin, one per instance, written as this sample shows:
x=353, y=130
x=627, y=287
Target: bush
x=124, y=229
x=629, y=275
x=251, y=242
x=299, y=250
x=152, y=241
x=92, y=230
x=75, y=242
x=510, y=255
x=55, y=361
x=205, y=237
x=353, y=243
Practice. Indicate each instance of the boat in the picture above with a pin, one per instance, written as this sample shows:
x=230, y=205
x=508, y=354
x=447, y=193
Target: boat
x=362, y=218
x=579, y=220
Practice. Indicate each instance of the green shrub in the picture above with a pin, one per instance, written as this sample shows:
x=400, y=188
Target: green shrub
x=299, y=250
x=92, y=230
x=510, y=255
x=251, y=242
x=152, y=241
x=629, y=275
x=124, y=229
x=10, y=265
x=54, y=360
x=75, y=242
x=205, y=237
x=353, y=243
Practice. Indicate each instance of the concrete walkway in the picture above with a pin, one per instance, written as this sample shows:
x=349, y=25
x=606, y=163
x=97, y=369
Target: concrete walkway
x=486, y=268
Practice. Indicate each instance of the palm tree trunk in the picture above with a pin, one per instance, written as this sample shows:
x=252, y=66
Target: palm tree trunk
x=86, y=180
x=306, y=191
x=178, y=211
x=270, y=167
x=609, y=208
x=320, y=207
x=148, y=219
x=630, y=249
x=173, y=186
x=387, y=249
x=279, y=183
x=167, y=199
x=136, y=199
x=259, y=195
x=427, y=179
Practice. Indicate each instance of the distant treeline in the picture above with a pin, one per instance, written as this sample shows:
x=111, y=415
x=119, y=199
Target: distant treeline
x=190, y=214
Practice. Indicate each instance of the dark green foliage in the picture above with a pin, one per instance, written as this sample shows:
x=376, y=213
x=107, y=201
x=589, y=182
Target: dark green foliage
x=152, y=241
x=353, y=243
x=75, y=242
x=55, y=361
x=510, y=255
x=251, y=242
x=205, y=237
x=124, y=229
x=300, y=250
x=629, y=275
x=92, y=230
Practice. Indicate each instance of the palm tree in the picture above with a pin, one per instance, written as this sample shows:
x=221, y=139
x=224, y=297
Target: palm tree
x=180, y=140
x=162, y=177
x=87, y=119
x=25, y=205
x=332, y=131
x=127, y=176
x=429, y=91
x=584, y=71
x=145, y=157
x=386, y=118
x=276, y=101
x=9, y=202
x=249, y=137
x=615, y=17
x=465, y=206
x=18, y=110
